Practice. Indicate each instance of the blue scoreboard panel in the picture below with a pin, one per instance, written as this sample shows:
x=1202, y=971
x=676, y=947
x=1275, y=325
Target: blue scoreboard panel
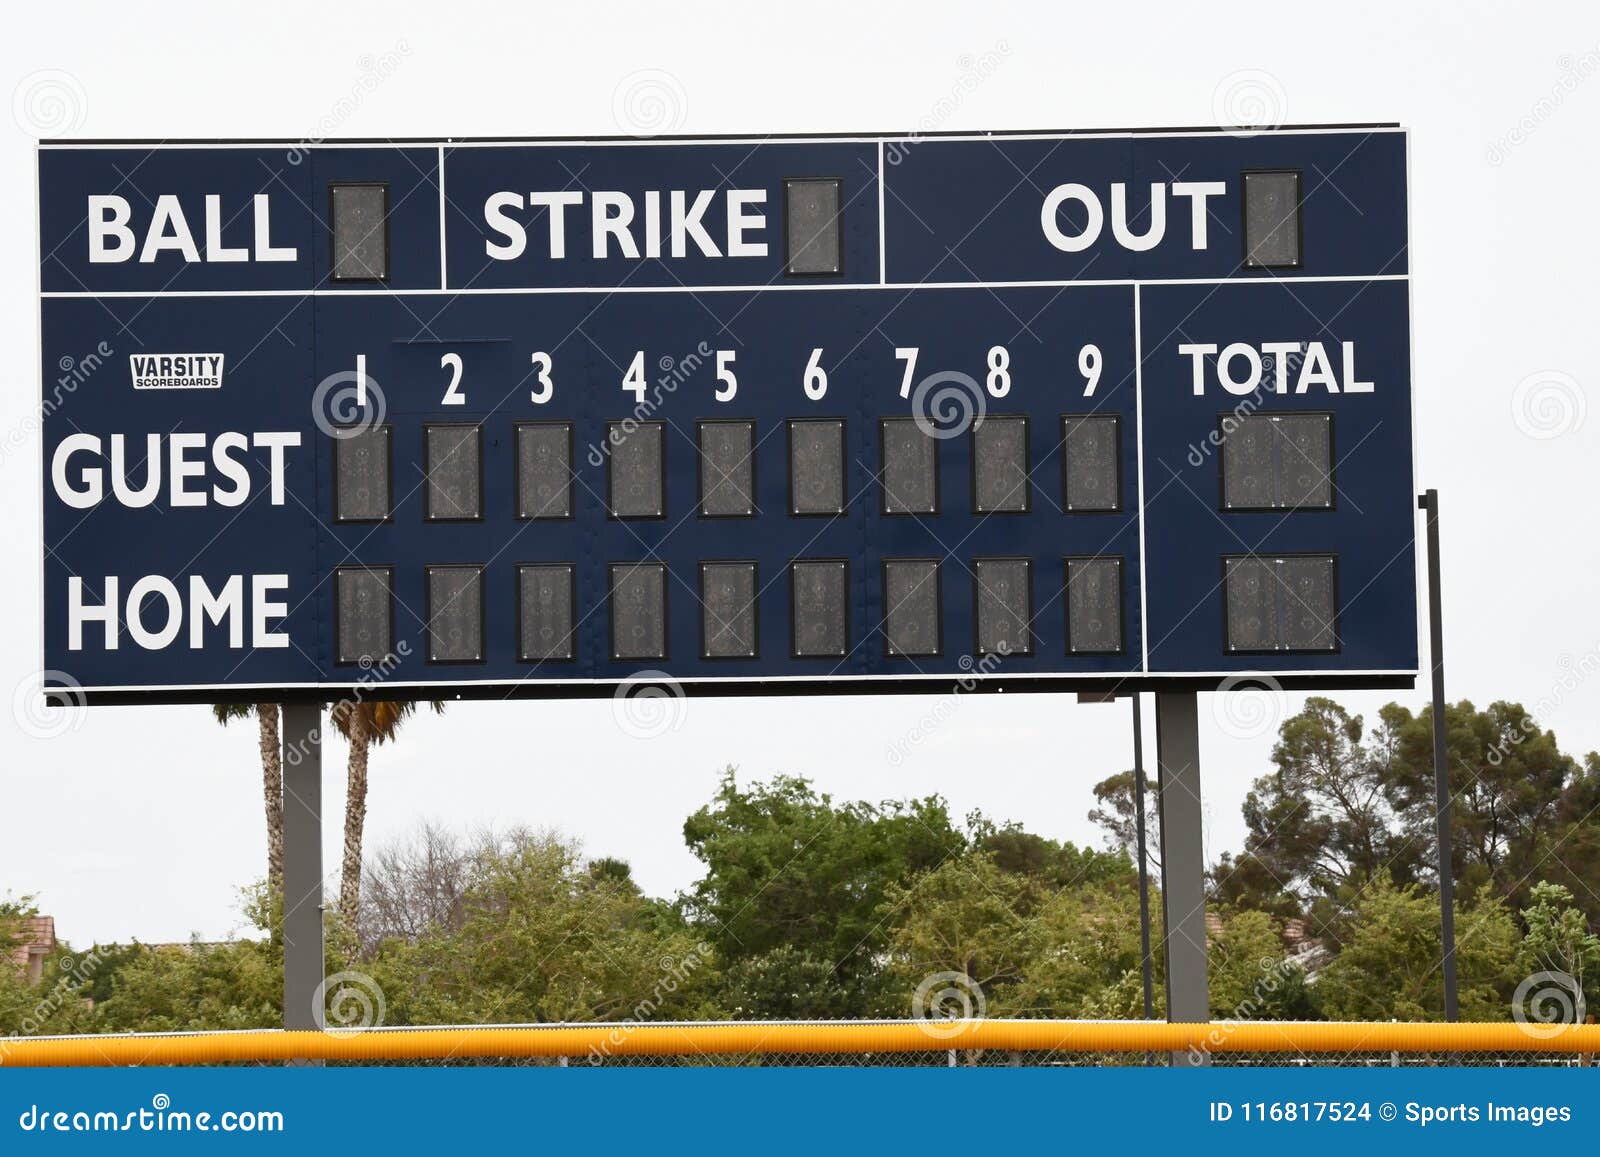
x=855, y=413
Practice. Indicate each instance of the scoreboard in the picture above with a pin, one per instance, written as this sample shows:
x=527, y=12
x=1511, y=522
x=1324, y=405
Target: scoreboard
x=852, y=413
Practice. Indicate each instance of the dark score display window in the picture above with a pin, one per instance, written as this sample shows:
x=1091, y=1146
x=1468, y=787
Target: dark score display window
x=811, y=213
x=360, y=212
x=816, y=466
x=1000, y=465
x=1277, y=462
x=1094, y=606
x=545, y=612
x=1272, y=219
x=727, y=469
x=637, y=481
x=363, y=614
x=544, y=470
x=454, y=470
x=638, y=611
x=1281, y=604
x=1091, y=463
x=911, y=607
x=910, y=480
x=819, y=593
x=1004, y=588
x=455, y=614
x=361, y=469
x=728, y=610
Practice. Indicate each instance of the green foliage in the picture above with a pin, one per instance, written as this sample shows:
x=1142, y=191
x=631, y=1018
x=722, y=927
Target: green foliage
x=1388, y=968
x=540, y=938
x=1249, y=975
x=785, y=866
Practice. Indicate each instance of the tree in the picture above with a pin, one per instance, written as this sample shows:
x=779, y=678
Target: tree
x=1507, y=779
x=1322, y=823
x=363, y=723
x=1558, y=942
x=271, y=746
x=542, y=938
x=1388, y=967
x=1248, y=975
x=1116, y=812
x=787, y=866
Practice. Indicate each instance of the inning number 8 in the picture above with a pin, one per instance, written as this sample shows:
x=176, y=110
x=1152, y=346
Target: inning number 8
x=999, y=381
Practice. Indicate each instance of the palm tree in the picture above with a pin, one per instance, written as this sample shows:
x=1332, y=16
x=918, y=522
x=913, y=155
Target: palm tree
x=271, y=776
x=363, y=724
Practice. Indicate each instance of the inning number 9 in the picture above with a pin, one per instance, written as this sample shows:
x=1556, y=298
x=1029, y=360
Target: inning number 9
x=1089, y=363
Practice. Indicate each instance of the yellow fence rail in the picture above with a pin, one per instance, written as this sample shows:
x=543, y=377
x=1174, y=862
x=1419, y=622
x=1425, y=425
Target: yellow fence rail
x=766, y=1038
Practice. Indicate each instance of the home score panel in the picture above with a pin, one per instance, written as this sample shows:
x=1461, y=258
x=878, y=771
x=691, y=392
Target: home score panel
x=828, y=414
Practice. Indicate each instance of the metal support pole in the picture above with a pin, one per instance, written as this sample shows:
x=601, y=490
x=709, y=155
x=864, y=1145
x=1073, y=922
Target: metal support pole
x=1144, y=870
x=302, y=866
x=1183, y=864
x=1429, y=503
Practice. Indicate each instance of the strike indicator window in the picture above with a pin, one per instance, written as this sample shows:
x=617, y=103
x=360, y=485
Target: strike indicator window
x=1091, y=461
x=361, y=467
x=1272, y=219
x=455, y=614
x=1281, y=604
x=910, y=481
x=637, y=479
x=363, y=614
x=811, y=211
x=1000, y=465
x=453, y=466
x=360, y=211
x=1004, y=593
x=819, y=590
x=727, y=469
x=816, y=466
x=544, y=470
x=1277, y=462
x=911, y=607
x=728, y=610
x=1094, y=605
x=638, y=610
x=546, y=612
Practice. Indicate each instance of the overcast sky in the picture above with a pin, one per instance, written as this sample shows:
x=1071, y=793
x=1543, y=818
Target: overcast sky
x=142, y=822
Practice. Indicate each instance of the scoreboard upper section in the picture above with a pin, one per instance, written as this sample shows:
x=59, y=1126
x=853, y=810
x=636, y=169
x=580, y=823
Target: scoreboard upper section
x=780, y=414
